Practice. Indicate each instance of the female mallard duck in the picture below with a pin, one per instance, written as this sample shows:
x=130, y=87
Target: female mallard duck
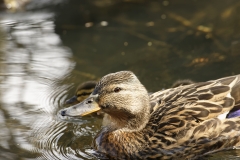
x=187, y=121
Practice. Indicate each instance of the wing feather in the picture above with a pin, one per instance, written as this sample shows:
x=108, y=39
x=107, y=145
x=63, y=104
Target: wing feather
x=178, y=109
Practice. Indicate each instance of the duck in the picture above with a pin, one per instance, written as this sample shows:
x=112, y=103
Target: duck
x=187, y=122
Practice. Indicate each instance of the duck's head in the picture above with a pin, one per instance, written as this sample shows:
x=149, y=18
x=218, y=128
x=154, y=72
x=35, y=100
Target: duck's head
x=82, y=92
x=121, y=96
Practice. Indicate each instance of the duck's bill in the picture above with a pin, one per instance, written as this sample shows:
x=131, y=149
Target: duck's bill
x=86, y=107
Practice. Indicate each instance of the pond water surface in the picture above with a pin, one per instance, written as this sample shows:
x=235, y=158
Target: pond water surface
x=45, y=52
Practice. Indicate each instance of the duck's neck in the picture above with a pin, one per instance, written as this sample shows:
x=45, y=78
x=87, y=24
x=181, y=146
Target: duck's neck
x=120, y=143
x=122, y=138
x=126, y=122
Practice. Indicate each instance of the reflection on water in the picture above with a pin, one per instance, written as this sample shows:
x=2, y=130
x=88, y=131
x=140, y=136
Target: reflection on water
x=43, y=57
x=33, y=61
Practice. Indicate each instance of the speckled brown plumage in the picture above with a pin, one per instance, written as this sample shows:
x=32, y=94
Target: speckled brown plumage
x=186, y=122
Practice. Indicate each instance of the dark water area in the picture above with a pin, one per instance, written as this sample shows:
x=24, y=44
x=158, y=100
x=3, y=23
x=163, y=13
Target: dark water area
x=48, y=48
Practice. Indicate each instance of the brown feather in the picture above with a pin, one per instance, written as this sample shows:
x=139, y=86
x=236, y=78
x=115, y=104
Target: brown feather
x=184, y=122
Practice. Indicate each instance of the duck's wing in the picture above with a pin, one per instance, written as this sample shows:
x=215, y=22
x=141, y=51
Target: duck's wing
x=177, y=110
x=208, y=137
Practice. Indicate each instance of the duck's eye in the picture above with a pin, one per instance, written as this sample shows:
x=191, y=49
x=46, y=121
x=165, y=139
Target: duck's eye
x=117, y=89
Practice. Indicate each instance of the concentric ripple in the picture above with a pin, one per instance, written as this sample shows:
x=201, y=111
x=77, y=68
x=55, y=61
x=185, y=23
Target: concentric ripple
x=61, y=140
x=53, y=136
x=33, y=78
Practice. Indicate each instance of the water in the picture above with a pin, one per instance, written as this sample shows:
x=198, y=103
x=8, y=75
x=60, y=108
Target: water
x=46, y=51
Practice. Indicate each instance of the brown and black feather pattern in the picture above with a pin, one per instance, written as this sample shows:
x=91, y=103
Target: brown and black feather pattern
x=185, y=119
x=185, y=124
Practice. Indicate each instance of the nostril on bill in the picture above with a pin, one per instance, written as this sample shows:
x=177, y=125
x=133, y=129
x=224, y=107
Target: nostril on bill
x=63, y=113
x=89, y=101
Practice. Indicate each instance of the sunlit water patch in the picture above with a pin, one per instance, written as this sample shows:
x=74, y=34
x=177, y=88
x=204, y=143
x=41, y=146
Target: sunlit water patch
x=33, y=63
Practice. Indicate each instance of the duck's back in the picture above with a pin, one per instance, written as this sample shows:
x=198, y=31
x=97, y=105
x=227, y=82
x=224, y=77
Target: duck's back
x=192, y=118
